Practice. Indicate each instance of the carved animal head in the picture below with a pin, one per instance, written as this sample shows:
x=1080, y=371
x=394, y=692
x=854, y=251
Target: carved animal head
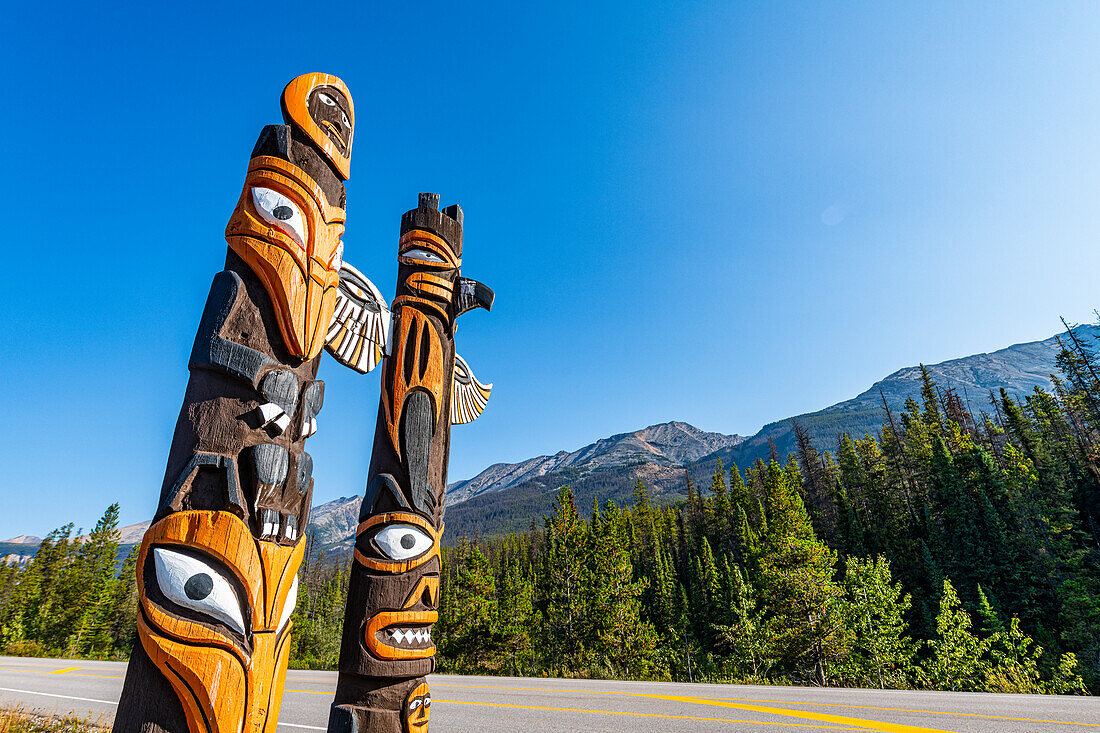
x=214, y=617
x=320, y=105
x=290, y=236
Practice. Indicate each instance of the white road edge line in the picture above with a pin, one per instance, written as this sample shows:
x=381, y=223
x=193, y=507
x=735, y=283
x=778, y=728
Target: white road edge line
x=310, y=727
x=112, y=702
x=63, y=697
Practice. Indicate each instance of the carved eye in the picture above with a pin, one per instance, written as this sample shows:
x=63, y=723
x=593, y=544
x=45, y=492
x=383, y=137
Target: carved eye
x=326, y=99
x=189, y=582
x=288, y=607
x=422, y=254
x=281, y=212
x=402, y=541
x=347, y=122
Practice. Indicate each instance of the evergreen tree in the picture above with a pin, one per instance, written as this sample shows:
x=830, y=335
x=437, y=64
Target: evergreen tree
x=561, y=601
x=472, y=643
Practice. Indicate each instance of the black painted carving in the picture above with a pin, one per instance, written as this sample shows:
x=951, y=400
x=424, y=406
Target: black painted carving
x=213, y=460
x=211, y=351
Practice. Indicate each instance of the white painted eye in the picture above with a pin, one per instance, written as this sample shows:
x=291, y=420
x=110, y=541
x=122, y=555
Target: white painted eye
x=279, y=211
x=403, y=541
x=347, y=122
x=326, y=99
x=414, y=704
x=288, y=607
x=423, y=254
x=189, y=582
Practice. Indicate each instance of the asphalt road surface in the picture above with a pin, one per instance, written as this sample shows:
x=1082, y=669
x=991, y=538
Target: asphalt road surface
x=470, y=704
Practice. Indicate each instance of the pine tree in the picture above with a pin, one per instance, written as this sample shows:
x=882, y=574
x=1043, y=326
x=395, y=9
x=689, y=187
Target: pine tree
x=721, y=519
x=472, y=641
x=561, y=601
x=619, y=641
x=89, y=587
x=795, y=576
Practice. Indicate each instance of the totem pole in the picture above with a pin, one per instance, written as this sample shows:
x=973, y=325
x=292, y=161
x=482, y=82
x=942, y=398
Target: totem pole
x=217, y=570
x=387, y=645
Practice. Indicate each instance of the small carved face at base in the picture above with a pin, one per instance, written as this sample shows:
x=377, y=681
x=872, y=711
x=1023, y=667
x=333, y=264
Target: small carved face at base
x=417, y=708
x=329, y=108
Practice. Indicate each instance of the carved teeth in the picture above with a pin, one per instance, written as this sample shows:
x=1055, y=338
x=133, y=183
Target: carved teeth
x=408, y=636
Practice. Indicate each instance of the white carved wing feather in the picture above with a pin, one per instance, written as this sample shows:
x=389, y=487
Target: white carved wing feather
x=358, y=334
x=468, y=396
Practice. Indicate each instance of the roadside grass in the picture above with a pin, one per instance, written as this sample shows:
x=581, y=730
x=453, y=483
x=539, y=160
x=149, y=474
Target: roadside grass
x=21, y=720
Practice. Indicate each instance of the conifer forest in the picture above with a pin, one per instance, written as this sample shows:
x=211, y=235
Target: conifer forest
x=957, y=549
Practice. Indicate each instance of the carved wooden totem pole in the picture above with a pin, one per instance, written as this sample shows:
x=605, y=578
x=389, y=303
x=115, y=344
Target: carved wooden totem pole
x=217, y=570
x=394, y=593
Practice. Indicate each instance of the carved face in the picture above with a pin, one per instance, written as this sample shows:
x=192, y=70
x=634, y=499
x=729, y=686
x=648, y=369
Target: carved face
x=423, y=349
x=320, y=105
x=215, y=607
x=287, y=232
x=331, y=110
x=417, y=707
x=403, y=548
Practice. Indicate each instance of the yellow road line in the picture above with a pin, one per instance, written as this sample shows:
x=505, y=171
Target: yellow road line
x=896, y=710
x=737, y=703
x=876, y=725
x=636, y=714
x=718, y=700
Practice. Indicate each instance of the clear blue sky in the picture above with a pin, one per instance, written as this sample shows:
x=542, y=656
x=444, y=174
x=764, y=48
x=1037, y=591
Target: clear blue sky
x=723, y=213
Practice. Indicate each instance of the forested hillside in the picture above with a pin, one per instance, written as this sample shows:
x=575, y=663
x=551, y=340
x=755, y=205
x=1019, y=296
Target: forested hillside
x=957, y=548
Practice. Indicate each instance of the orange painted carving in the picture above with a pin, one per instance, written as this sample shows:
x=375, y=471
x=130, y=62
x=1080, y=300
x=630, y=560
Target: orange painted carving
x=298, y=259
x=417, y=707
x=385, y=621
x=221, y=677
x=296, y=107
x=417, y=363
x=398, y=566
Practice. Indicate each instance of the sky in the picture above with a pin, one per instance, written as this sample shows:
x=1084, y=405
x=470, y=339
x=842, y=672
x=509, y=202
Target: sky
x=720, y=213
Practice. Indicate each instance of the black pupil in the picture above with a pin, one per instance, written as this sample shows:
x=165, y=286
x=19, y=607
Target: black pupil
x=407, y=541
x=198, y=586
x=282, y=213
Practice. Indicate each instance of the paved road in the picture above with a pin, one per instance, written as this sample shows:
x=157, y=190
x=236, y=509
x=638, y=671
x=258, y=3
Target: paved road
x=474, y=704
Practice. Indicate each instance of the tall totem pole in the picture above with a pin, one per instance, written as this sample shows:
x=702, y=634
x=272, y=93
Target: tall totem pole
x=217, y=570
x=387, y=645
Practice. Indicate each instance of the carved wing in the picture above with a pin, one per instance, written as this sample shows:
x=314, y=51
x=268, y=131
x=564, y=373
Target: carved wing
x=358, y=334
x=468, y=396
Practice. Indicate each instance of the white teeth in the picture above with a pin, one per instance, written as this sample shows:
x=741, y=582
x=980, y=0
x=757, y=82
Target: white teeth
x=406, y=636
x=269, y=411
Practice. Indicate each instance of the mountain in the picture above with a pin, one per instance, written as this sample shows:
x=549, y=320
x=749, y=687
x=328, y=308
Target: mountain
x=1018, y=369
x=332, y=526
x=22, y=548
x=668, y=445
x=508, y=497
x=23, y=539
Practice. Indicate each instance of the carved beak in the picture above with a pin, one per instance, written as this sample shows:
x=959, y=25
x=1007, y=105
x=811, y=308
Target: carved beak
x=472, y=294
